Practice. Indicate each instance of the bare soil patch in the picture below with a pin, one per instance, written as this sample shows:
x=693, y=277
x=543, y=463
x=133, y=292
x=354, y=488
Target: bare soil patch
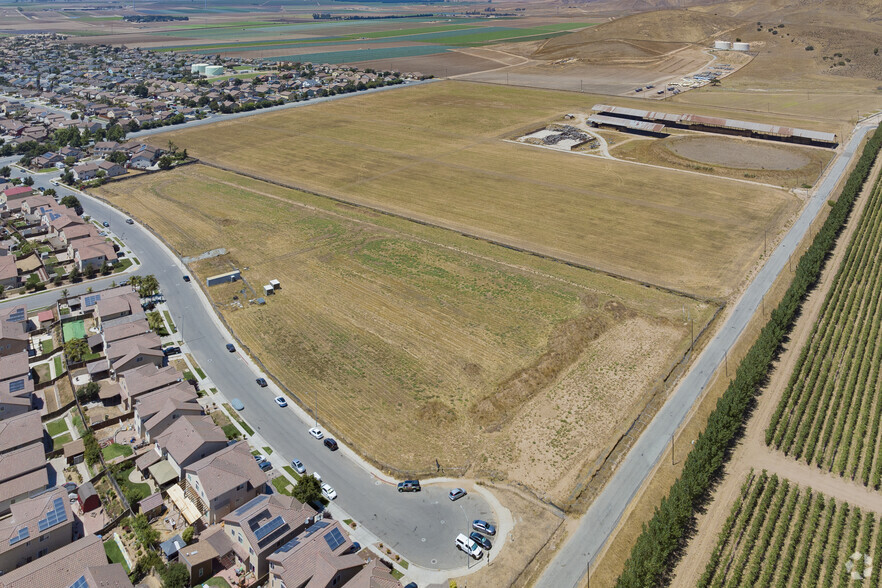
x=738, y=154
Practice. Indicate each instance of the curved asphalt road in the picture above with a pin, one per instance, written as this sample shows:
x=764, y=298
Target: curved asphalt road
x=419, y=526
x=570, y=565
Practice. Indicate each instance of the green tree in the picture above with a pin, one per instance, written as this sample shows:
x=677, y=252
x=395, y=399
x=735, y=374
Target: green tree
x=2, y=290
x=165, y=162
x=5, y=171
x=28, y=181
x=154, y=321
x=145, y=533
x=88, y=392
x=50, y=192
x=145, y=285
x=76, y=349
x=187, y=535
x=175, y=576
x=75, y=274
x=72, y=202
x=33, y=281
x=105, y=268
x=92, y=452
x=308, y=489
x=118, y=157
x=147, y=562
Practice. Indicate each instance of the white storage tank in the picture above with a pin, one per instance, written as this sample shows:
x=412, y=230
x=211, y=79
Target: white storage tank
x=214, y=70
x=724, y=45
x=198, y=68
x=741, y=46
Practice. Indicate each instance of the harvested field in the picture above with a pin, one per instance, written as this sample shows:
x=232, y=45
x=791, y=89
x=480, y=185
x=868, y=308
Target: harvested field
x=760, y=161
x=433, y=153
x=419, y=331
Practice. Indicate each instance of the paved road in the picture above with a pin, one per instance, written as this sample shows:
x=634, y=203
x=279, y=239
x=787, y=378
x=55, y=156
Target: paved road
x=419, y=526
x=570, y=565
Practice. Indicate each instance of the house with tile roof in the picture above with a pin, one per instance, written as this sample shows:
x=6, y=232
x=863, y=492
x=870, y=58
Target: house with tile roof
x=321, y=555
x=146, y=379
x=36, y=527
x=82, y=562
x=189, y=439
x=156, y=411
x=223, y=481
x=22, y=472
x=133, y=352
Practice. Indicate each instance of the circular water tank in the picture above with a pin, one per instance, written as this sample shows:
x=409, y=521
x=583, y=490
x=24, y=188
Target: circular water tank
x=214, y=70
x=741, y=46
x=725, y=45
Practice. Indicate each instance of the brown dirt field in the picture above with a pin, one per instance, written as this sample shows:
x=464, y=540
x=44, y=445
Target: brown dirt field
x=433, y=153
x=450, y=63
x=753, y=452
x=759, y=161
x=535, y=524
x=408, y=331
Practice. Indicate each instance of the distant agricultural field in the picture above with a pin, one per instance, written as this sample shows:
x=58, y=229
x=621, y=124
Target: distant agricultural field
x=831, y=410
x=436, y=153
x=423, y=344
x=779, y=534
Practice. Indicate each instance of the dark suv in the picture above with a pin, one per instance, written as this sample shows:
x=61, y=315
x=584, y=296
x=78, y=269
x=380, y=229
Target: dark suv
x=331, y=444
x=409, y=486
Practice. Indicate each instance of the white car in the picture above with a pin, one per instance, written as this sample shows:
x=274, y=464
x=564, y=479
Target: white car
x=298, y=466
x=317, y=476
x=316, y=432
x=468, y=546
x=280, y=400
x=329, y=492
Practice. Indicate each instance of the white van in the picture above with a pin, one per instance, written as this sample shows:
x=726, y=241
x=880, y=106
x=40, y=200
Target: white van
x=463, y=543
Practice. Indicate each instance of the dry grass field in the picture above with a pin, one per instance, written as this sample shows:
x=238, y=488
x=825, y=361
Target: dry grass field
x=407, y=331
x=434, y=153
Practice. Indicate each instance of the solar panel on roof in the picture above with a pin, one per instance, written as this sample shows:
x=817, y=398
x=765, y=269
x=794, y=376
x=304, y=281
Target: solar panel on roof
x=318, y=525
x=335, y=539
x=288, y=546
x=92, y=299
x=17, y=315
x=16, y=385
x=54, y=516
x=262, y=532
x=249, y=505
x=80, y=583
x=21, y=536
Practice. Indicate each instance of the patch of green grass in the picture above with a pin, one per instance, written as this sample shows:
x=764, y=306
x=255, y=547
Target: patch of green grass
x=111, y=548
x=123, y=265
x=59, y=366
x=280, y=483
x=47, y=346
x=56, y=427
x=169, y=320
x=291, y=471
x=255, y=452
x=347, y=522
x=91, y=356
x=248, y=430
x=188, y=375
x=133, y=491
x=213, y=390
x=199, y=372
x=115, y=450
x=403, y=563
x=64, y=311
x=59, y=442
x=268, y=450
x=396, y=574
x=217, y=582
x=78, y=423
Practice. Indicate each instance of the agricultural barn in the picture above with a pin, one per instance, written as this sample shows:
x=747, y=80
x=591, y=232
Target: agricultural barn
x=639, y=127
x=223, y=278
x=88, y=498
x=725, y=126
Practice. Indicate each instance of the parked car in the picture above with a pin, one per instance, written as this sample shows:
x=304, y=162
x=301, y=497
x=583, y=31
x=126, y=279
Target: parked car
x=316, y=432
x=412, y=585
x=328, y=492
x=261, y=382
x=317, y=476
x=265, y=465
x=409, y=486
x=456, y=494
x=69, y=486
x=231, y=348
x=105, y=224
x=480, y=540
x=280, y=400
x=465, y=544
x=130, y=221
x=237, y=404
x=258, y=457
x=186, y=278
x=171, y=351
x=483, y=527
x=298, y=466
x=331, y=444
x=356, y=547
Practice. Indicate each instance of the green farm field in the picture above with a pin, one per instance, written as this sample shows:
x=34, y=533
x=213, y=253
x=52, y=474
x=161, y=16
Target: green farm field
x=407, y=331
x=436, y=153
x=779, y=534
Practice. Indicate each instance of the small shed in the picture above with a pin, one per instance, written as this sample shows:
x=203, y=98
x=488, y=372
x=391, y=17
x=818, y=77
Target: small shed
x=74, y=451
x=267, y=290
x=277, y=285
x=88, y=497
x=152, y=505
x=171, y=546
x=223, y=278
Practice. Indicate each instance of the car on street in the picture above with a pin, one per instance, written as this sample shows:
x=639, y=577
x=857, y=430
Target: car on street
x=409, y=486
x=186, y=278
x=316, y=432
x=261, y=382
x=265, y=465
x=331, y=444
x=483, y=527
x=465, y=544
x=237, y=404
x=231, y=348
x=456, y=494
x=105, y=224
x=317, y=476
x=280, y=400
x=129, y=221
x=298, y=466
x=328, y=492
x=171, y=351
x=258, y=458
x=480, y=540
